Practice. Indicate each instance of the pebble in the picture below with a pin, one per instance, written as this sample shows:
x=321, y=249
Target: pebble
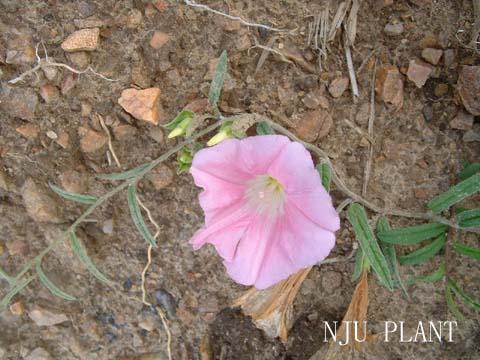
x=313, y=100
x=147, y=324
x=68, y=83
x=463, y=121
x=82, y=40
x=432, y=55
x=363, y=114
x=471, y=135
x=91, y=140
x=63, y=140
x=124, y=132
x=159, y=39
x=29, y=131
x=468, y=87
x=52, y=135
x=18, y=102
x=17, y=308
x=49, y=93
x=81, y=59
x=40, y=206
x=107, y=227
x=134, y=18
x=39, y=354
x=157, y=135
x=50, y=72
x=142, y=104
x=74, y=181
x=313, y=125
x=338, y=86
x=86, y=109
x=18, y=247
x=198, y=106
x=394, y=29
x=167, y=301
x=243, y=43
x=43, y=317
x=421, y=193
x=389, y=85
x=449, y=58
x=419, y=72
x=160, y=177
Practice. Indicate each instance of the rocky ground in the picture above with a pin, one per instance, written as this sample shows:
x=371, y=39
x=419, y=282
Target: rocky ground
x=149, y=60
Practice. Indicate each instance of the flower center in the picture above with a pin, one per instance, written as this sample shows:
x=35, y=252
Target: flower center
x=265, y=194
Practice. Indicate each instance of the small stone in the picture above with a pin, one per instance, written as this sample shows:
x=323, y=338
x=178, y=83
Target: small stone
x=82, y=40
x=107, y=227
x=313, y=125
x=160, y=177
x=449, y=58
x=74, y=181
x=338, y=86
x=147, y=324
x=49, y=93
x=40, y=206
x=389, y=85
x=394, y=29
x=39, y=354
x=63, y=140
x=18, y=247
x=17, y=308
x=313, y=101
x=157, y=135
x=363, y=114
x=52, y=135
x=419, y=72
x=427, y=112
x=471, y=136
x=432, y=55
x=198, y=106
x=243, y=43
x=161, y=5
x=159, y=39
x=463, y=121
x=468, y=86
x=124, y=132
x=134, y=18
x=173, y=76
x=43, y=317
x=81, y=59
x=18, y=102
x=68, y=83
x=421, y=193
x=86, y=109
x=142, y=104
x=50, y=72
x=91, y=140
x=364, y=142
x=29, y=131
x=441, y=90
x=167, y=301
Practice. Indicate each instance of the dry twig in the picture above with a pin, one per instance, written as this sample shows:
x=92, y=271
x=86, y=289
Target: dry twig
x=371, y=119
x=109, y=138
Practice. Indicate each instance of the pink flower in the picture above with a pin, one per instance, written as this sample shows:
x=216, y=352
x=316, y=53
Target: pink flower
x=266, y=211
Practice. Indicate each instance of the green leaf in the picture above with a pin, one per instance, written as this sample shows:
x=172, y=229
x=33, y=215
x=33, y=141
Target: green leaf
x=14, y=291
x=5, y=276
x=412, y=234
x=182, y=115
x=437, y=275
x=54, y=289
x=79, y=250
x=84, y=199
x=124, y=175
x=361, y=263
x=467, y=250
x=455, y=194
x=358, y=218
x=390, y=253
x=137, y=217
x=264, y=128
x=217, y=82
x=469, y=170
x=425, y=253
x=325, y=173
x=452, y=306
x=467, y=299
x=469, y=218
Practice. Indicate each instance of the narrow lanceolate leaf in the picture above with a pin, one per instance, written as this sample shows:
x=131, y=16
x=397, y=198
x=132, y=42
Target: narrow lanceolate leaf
x=469, y=218
x=137, y=217
x=182, y=115
x=467, y=299
x=218, y=78
x=124, y=175
x=14, y=291
x=54, y=289
x=412, y=234
x=79, y=250
x=5, y=276
x=84, y=199
x=358, y=218
x=452, y=306
x=325, y=173
x=455, y=194
x=437, y=275
x=359, y=264
x=469, y=170
x=390, y=254
x=467, y=250
x=264, y=128
x=425, y=253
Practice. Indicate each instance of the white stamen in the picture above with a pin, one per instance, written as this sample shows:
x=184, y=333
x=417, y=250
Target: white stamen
x=265, y=194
